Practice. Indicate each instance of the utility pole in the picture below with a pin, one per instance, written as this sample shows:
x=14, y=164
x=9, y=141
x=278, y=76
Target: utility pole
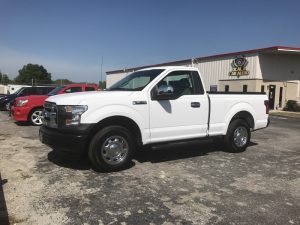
x=101, y=72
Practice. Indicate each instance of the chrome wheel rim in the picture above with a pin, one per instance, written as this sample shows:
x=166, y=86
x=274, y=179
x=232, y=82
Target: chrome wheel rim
x=240, y=136
x=36, y=117
x=114, y=150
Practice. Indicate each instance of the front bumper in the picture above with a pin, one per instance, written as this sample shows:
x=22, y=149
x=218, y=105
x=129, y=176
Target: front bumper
x=74, y=143
x=20, y=113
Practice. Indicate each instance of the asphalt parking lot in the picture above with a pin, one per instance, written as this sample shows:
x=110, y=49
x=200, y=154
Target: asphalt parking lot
x=195, y=183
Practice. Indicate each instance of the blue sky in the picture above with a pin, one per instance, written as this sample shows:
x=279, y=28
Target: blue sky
x=69, y=37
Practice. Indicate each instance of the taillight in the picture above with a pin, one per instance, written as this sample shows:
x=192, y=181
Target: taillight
x=267, y=106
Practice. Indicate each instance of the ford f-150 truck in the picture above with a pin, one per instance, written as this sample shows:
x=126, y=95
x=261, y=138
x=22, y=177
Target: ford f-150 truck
x=29, y=108
x=149, y=106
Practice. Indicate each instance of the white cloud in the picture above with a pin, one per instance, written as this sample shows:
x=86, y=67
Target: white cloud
x=11, y=61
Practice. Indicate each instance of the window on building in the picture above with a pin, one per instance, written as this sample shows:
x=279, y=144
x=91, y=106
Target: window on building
x=245, y=87
x=213, y=88
x=262, y=88
x=280, y=96
x=226, y=88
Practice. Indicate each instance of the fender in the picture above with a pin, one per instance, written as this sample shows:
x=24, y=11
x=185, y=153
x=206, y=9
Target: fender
x=96, y=116
x=236, y=108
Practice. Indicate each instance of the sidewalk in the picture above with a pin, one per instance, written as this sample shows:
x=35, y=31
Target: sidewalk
x=285, y=113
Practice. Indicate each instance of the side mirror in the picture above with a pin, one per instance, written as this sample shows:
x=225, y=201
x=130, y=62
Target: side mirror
x=164, y=92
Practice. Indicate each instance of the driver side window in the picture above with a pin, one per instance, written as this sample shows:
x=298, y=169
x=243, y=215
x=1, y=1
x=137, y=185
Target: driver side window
x=181, y=81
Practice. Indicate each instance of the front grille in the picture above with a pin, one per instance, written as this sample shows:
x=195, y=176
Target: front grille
x=50, y=117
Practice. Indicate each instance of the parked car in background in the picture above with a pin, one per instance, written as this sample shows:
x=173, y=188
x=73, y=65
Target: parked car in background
x=6, y=100
x=30, y=108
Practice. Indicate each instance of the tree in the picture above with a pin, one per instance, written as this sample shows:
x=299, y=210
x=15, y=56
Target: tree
x=63, y=81
x=4, y=79
x=33, y=72
x=102, y=85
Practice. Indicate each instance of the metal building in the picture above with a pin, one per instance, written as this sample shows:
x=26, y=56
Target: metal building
x=274, y=70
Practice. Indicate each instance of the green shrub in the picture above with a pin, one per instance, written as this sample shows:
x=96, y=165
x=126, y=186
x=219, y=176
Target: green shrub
x=292, y=105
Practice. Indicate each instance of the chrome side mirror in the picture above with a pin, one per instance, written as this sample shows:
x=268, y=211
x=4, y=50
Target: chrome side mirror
x=165, y=90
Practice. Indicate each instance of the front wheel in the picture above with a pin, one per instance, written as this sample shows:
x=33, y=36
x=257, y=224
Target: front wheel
x=238, y=136
x=36, y=117
x=111, y=149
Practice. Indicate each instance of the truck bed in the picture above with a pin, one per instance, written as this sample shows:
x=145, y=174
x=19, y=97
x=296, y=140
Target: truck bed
x=224, y=105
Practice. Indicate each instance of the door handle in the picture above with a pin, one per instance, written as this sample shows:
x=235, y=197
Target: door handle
x=195, y=104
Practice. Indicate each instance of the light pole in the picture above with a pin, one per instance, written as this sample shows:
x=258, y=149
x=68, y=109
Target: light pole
x=101, y=72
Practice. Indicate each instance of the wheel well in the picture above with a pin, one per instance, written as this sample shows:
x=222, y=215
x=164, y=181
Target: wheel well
x=120, y=121
x=37, y=107
x=246, y=116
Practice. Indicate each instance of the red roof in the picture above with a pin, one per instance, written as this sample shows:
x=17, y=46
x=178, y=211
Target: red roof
x=259, y=50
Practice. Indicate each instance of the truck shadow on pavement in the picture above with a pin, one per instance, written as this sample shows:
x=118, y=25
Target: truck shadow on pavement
x=156, y=154
x=3, y=209
x=182, y=150
x=175, y=151
x=67, y=161
x=75, y=163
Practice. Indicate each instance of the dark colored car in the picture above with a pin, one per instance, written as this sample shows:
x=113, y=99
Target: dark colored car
x=6, y=100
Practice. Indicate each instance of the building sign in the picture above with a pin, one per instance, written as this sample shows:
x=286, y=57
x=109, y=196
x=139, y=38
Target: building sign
x=239, y=67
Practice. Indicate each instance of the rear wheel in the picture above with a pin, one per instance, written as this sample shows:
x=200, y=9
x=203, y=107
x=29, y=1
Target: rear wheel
x=36, y=117
x=111, y=149
x=238, y=136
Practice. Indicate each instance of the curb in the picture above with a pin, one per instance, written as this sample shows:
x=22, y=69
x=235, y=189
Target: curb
x=285, y=114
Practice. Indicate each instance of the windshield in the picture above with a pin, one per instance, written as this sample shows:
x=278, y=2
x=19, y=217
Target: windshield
x=55, y=90
x=136, y=81
x=19, y=91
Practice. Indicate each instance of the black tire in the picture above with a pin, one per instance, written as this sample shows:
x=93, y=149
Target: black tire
x=111, y=149
x=238, y=136
x=35, y=117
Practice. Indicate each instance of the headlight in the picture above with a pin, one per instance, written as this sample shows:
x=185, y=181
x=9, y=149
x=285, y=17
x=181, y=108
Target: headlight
x=74, y=113
x=22, y=102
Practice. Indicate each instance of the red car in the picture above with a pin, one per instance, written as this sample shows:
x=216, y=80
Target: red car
x=30, y=108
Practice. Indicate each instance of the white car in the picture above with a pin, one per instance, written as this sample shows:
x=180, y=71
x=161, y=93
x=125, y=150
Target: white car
x=149, y=106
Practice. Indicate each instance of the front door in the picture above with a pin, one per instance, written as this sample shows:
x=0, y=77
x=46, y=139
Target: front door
x=184, y=117
x=272, y=89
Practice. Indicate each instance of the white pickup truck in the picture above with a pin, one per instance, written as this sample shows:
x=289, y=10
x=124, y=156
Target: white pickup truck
x=149, y=106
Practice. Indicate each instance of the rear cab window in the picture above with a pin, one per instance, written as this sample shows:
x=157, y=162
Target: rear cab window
x=43, y=90
x=73, y=89
x=89, y=88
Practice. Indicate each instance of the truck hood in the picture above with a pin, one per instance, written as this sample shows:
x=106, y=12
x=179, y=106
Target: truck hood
x=83, y=98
